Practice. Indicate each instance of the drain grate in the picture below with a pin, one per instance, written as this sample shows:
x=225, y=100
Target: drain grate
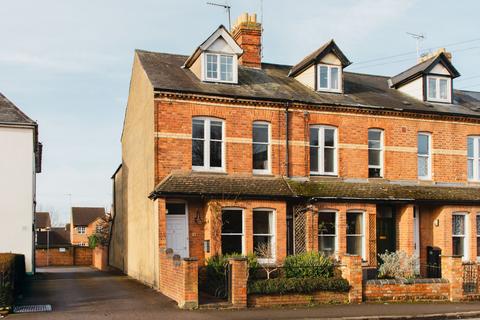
x=32, y=308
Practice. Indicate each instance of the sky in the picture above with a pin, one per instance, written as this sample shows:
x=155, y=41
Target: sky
x=67, y=64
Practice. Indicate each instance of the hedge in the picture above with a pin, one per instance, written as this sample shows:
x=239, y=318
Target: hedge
x=297, y=285
x=308, y=265
x=12, y=275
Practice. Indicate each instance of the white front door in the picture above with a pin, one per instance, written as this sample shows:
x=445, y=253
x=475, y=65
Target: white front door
x=416, y=231
x=177, y=228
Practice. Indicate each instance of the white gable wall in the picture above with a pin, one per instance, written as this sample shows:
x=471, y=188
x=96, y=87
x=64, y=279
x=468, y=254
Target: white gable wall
x=307, y=77
x=220, y=46
x=17, y=172
x=331, y=59
x=413, y=89
x=440, y=69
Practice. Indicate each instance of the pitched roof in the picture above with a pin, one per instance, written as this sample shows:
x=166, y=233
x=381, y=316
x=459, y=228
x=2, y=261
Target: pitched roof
x=272, y=83
x=424, y=68
x=329, y=190
x=212, y=185
x=83, y=216
x=42, y=220
x=57, y=237
x=220, y=32
x=317, y=55
x=9, y=113
x=222, y=185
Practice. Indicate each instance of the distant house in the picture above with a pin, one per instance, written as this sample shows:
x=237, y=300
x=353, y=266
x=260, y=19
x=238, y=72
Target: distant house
x=42, y=221
x=83, y=224
x=20, y=162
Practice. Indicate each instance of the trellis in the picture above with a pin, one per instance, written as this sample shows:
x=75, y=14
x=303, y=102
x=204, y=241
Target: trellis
x=300, y=229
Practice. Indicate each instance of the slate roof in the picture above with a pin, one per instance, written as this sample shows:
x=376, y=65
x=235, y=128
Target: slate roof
x=195, y=184
x=58, y=237
x=384, y=191
x=272, y=83
x=317, y=55
x=222, y=185
x=83, y=216
x=42, y=220
x=424, y=67
x=9, y=113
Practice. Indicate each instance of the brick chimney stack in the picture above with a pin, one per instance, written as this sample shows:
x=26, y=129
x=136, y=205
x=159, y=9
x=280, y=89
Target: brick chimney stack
x=248, y=34
x=436, y=53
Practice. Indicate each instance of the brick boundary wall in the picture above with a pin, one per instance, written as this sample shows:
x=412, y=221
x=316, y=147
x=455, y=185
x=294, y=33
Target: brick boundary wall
x=100, y=258
x=399, y=291
x=319, y=297
x=179, y=279
x=239, y=282
x=352, y=271
x=73, y=256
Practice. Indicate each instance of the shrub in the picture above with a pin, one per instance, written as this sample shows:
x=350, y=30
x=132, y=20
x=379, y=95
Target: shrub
x=216, y=271
x=297, y=285
x=308, y=265
x=12, y=274
x=398, y=265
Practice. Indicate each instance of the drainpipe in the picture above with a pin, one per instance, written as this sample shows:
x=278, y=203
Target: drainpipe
x=287, y=158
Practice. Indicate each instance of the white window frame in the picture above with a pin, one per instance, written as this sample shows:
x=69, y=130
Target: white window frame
x=321, y=150
x=206, y=145
x=272, y=235
x=428, y=156
x=235, y=234
x=465, y=236
x=437, y=97
x=335, y=253
x=81, y=229
x=362, y=235
x=475, y=159
x=329, y=80
x=269, y=148
x=381, y=149
x=218, y=78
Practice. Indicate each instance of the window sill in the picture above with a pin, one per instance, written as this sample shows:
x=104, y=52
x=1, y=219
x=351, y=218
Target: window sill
x=263, y=174
x=206, y=171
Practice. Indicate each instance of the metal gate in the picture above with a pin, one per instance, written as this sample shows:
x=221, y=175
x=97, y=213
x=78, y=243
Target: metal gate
x=470, y=274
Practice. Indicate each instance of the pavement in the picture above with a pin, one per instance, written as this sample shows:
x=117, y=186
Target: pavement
x=84, y=293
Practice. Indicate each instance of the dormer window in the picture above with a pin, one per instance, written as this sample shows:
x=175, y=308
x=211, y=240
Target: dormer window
x=438, y=89
x=219, y=67
x=216, y=59
x=322, y=69
x=328, y=78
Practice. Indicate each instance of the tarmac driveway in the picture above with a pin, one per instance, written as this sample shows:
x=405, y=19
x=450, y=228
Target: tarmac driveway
x=84, y=293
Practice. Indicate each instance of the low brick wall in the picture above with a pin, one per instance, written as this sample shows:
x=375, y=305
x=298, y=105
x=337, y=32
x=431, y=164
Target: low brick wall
x=100, y=258
x=65, y=256
x=179, y=279
x=319, y=297
x=399, y=290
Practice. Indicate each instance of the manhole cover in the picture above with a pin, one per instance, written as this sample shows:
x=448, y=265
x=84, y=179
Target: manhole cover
x=33, y=308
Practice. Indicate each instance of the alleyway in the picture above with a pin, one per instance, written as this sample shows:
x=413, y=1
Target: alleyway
x=80, y=293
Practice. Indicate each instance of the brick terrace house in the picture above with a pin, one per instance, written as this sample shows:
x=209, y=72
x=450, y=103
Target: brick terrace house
x=83, y=224
x=224, y=153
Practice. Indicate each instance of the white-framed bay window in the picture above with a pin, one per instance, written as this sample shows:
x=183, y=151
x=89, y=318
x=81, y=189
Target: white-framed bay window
x=233, y=231
x=460, y=235
x=439, y=89
x=208, y=144
x=424, y=155
x=264, y=234
x=327, y=232
x=356, y=233
x=477, y=225
x=329, y=78
x=220, y=67
x=375, y=153
x=473, y=158
x=323, y=150
x=261, y=148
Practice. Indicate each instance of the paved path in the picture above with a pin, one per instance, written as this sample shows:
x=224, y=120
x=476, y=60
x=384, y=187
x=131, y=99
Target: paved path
x=83, y=293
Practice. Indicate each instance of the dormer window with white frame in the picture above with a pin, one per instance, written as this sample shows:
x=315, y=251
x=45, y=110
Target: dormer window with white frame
x=439, y=89
x=329, y=78
x=216, y=59
x=219, y=67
